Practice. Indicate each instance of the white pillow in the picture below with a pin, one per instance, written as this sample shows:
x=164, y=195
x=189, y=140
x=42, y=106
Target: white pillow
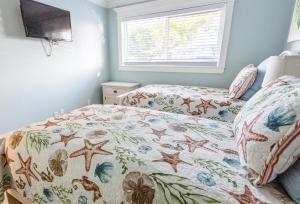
x=243, y=81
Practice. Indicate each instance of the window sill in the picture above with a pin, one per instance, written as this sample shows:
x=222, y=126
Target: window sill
x=204, y=70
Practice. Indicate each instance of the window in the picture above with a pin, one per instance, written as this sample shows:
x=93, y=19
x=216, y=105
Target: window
x=180, y=40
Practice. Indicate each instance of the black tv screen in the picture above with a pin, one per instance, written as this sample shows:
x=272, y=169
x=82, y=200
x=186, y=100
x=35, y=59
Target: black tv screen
x=44, y=21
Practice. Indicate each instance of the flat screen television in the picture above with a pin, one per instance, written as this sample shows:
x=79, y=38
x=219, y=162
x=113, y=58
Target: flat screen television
x=44, y=21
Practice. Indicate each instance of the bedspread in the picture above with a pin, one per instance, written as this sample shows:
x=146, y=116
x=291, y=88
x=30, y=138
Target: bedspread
x=211, y=103
x=118, y=155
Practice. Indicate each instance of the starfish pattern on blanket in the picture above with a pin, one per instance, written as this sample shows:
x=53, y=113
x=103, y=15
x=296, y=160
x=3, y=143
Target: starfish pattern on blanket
x=49, y=124
x=139, y=96
x=82, y=116
x=183, y=100
x=248, y=135
x=89, y=150
x=247, y=197
x=122, y=110
x=158, y=133
x=134, y=156
x=187, y=101
x=66, y=138
x=194, y=144
x=26, y=169
x=172, y=159
x=206, y=104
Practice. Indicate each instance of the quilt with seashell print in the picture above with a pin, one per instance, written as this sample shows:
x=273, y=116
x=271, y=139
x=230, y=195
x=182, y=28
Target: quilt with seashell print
x=205, y=102
x=117, y=155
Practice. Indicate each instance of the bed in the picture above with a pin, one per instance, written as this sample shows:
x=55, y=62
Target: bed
x=114, y=154
x=211, y=103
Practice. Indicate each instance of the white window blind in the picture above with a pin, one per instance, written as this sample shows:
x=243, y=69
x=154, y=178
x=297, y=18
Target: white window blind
x=186, y=38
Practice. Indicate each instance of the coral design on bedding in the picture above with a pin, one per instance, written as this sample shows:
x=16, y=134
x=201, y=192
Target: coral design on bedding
x=129, y=155
x=211, y=103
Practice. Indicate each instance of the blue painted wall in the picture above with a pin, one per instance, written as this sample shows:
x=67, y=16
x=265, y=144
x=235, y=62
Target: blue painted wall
x=32, y=85
x=259, y=29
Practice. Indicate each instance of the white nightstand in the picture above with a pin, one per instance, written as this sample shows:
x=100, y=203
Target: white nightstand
x=113, y=89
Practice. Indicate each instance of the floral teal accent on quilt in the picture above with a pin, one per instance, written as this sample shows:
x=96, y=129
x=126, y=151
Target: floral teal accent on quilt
x=144, y=149
x=206, y=179
x=82, y=200
x=48, y=194
x=233, y=163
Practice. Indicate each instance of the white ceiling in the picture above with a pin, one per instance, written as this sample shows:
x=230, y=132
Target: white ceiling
x=116, y=3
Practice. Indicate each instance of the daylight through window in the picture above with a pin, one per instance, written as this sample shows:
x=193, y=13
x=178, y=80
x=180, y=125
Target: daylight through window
x=183, y=38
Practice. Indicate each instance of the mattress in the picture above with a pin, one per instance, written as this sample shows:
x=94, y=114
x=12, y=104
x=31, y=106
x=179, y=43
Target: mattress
x=211, y=103
x=115, y=154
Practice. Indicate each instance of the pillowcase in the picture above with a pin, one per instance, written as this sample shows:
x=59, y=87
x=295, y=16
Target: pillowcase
x=267, y=130
x=290, y=180
x=243, y=81
x=261, y=71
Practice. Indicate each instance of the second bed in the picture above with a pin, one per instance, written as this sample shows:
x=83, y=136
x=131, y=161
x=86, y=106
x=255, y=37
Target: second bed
x=211, y=103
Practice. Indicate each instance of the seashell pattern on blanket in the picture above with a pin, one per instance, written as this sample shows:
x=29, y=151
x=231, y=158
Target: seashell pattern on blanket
x=143, y=157
x=281, y=116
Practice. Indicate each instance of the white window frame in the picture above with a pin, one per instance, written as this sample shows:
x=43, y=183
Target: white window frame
x=158, y=6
